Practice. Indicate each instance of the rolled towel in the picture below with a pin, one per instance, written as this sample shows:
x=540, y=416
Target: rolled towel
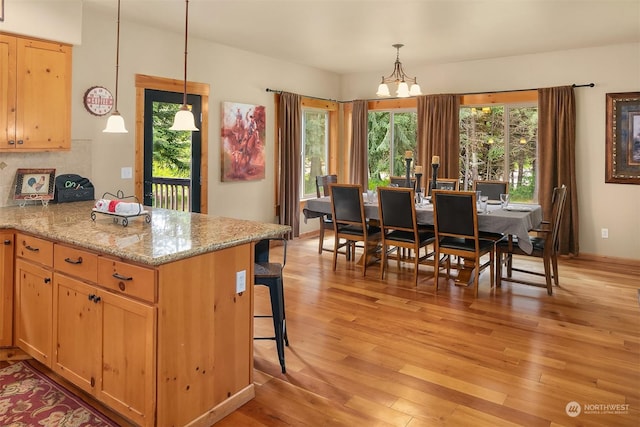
x=127, y=208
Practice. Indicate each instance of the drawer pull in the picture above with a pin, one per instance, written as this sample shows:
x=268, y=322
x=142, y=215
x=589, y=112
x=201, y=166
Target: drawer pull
x=47, y=280
x=74, y=261
x=31, y=248
x=91, y=297
x=12, y=142
x=121, y=277
x=7, y=242
x=97, y=299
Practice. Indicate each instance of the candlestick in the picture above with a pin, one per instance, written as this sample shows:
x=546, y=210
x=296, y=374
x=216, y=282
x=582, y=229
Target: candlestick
x=434, y=178
x=418, y=176
x=408, y=171
x=435, y=160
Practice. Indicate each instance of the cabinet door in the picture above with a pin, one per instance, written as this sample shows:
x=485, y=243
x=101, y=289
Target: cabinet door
x=128, y=370
x=6, y=288
x=7, y=92
x=44, y=95
x=77, y=332
x=34, y=326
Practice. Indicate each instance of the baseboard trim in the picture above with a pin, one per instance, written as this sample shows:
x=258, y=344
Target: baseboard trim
x=623, y=262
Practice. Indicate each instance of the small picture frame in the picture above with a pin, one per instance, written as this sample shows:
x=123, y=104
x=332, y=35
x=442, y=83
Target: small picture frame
x=623, y=138
x=35, y=184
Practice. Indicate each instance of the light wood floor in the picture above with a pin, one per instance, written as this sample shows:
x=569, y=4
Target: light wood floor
x=366, y=352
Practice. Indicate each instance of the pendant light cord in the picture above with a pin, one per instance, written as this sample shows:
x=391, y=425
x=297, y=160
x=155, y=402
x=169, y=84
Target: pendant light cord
x=186, y=35
x=117, y=56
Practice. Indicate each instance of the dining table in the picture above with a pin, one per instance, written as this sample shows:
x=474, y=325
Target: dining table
x=516, y=219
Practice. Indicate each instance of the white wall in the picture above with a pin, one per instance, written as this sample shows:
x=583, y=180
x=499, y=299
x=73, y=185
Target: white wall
x=612, y=68
x=59, y=21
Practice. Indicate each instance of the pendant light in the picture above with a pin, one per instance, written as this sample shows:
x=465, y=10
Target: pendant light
x=184, y=119
x=399, y=77
x=115, y=123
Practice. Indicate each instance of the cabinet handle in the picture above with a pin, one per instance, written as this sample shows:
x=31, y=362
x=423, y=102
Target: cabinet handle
x=31, y=248
x=7, y=242
x=72, y=261
x=93, y=382
x=12, y=142
x=20, y=142
x=91, y=297
x=47, y=280
x=120, y=277
x=97, y=299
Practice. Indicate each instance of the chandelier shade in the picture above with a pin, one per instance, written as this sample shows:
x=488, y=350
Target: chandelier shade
x=184, y=119
x=398, y=76
x=115, y=123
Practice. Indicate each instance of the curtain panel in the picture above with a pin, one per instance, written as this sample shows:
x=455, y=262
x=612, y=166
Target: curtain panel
x=358, y=156
x=556, y=150
x=439, y=134
x=289, y=133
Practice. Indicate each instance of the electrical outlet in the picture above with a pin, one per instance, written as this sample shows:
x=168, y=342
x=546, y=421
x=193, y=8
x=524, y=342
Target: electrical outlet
x=126, y=173
x=241, y=281
x=605, y=233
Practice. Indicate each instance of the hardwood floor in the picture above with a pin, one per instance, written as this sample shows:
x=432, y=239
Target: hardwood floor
x=366, y=352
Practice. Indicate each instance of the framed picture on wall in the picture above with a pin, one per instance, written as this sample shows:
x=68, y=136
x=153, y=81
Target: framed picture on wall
x=623, y=138
x=35, y=184
x=242, y=145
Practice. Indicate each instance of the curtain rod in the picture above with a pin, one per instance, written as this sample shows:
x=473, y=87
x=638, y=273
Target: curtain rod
x=472, y=93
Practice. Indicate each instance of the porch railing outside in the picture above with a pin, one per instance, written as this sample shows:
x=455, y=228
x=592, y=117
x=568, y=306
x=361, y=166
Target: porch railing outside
x=171, y=193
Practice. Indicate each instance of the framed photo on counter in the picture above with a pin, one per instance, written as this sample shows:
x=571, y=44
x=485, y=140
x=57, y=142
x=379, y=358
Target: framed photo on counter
x=623, y=138
x=35, y=184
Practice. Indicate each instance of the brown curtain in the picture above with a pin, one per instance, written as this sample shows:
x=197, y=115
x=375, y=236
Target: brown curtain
x=556, y=150
x=358, y=157
x=289, y=132
x=439, y=134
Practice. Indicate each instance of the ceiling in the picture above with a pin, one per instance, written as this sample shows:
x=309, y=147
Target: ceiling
x=349, y=36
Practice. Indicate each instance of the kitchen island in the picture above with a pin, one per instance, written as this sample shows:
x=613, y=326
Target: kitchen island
x=154, y=319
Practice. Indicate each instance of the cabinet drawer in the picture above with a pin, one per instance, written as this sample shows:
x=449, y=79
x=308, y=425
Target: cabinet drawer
x=127, y=279
x=34, y=249
x=76, y=262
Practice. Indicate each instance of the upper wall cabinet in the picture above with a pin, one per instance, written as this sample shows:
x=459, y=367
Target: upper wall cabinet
x=35, y=95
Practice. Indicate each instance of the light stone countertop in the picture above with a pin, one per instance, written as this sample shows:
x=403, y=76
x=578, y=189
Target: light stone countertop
x=170, y=236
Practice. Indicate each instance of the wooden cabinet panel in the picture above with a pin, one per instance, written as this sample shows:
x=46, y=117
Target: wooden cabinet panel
x=78, y=332
x=34, y=249
x=127, y=279
x=37, y=105
x=34, y=303
x=6, y=288
x=76, y=262
x=128, y=354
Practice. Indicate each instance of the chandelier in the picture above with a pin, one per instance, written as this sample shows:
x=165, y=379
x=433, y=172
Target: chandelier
x=401, y=79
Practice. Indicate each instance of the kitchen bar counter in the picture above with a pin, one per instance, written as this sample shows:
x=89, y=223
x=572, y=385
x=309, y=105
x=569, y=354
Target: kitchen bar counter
x=171, y=235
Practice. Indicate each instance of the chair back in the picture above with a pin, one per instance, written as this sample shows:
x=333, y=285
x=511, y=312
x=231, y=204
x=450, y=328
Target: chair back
x=347, y=204
x=558, y=199
x=401, y=181
x=454, y=214
x=450, y=184
x=322, y=184
x=493, y=189
x=396, y=208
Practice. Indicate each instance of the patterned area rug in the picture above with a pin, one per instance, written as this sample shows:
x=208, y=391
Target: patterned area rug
x=29, y=398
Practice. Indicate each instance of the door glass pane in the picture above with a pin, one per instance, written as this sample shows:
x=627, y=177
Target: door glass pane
x=314, y=149
x=523, y=149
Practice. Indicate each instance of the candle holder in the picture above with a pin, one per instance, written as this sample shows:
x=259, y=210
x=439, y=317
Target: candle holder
x=434, y=178
x=418, y=177
x=408, y=172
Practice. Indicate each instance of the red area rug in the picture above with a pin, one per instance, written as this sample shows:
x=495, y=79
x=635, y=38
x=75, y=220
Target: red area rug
x=29, y=398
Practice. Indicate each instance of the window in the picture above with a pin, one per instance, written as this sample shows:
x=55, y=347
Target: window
x=390, y=134
x=315, y=148
x=499, y=142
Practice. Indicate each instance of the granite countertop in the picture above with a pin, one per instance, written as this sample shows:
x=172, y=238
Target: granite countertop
x=170, y=236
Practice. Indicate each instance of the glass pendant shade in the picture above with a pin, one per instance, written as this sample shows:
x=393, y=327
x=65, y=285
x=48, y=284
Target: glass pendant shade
x=403, y=90
x=184, y=120
x=115, y=124
x=383, y=90
x=415, y=90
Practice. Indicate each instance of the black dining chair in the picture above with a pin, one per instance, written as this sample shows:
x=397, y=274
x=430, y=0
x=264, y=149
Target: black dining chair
x=401, y=181
x=351, y=225
x=492, y=189
x=545, y=246
x=397, y=212
x=268, y=273
x=444, y=184
x=326, y=221
x=455, y=219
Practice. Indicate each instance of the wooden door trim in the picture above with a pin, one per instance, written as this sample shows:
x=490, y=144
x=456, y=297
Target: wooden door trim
x=143, y=82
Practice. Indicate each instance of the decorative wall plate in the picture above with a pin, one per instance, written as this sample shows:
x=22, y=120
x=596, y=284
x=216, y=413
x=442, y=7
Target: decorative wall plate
x=98, y=100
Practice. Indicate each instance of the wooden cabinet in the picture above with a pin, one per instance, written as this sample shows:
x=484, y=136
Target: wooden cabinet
x=35, y=95
x=6, y=288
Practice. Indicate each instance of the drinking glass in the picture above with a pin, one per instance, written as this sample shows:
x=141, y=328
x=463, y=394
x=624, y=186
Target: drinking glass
x=504, y=200
x=370, y=196
x=483, y=203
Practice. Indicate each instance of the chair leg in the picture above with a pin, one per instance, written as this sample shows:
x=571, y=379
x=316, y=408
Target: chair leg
x=554, y=263
x=277, y=300
x=547, y=273
x=383, y=263
x=499, y=262
x=321, y=237
x=491, y=268
x=335, y=251
x=436, y=267
x=415, y=266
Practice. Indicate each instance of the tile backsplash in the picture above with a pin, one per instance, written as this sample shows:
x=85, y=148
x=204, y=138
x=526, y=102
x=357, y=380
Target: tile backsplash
x=77, y=160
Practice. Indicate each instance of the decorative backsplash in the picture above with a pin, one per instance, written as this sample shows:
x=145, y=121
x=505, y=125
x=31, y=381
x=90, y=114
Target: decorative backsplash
x=77, y=160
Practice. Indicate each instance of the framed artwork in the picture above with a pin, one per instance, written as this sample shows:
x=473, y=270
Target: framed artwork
x=35, y=184
x=242, y=145
x=623, y=138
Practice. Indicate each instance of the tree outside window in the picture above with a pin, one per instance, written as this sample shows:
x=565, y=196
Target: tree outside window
x=315, y=147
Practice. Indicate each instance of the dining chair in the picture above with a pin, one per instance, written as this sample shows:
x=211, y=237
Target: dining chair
x=267, y=272
x=326, y=221
x=545, y=246
x=444, y=184
x=397, y=213
x=455, y=220
x=401, y=181
x=350, y=223
x=492, y=189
